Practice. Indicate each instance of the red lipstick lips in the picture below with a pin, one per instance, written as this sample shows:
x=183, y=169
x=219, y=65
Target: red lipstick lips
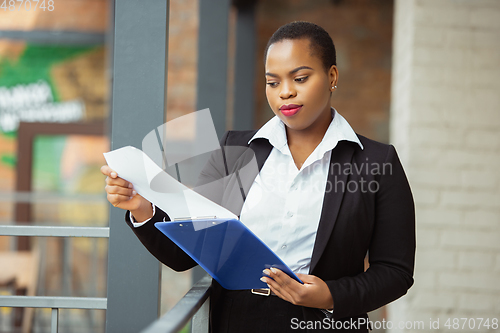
x=290, y=109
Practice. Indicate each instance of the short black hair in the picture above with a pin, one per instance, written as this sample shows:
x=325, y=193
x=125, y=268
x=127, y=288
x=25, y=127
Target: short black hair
x=321, y=44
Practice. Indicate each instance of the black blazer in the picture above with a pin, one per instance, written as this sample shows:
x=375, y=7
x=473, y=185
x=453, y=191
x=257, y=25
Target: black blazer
x=367, y=209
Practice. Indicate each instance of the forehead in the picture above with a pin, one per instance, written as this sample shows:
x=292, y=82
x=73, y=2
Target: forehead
x=290, y=53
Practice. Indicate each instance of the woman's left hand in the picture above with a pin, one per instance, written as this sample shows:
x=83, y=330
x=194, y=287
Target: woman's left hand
x=314, y=293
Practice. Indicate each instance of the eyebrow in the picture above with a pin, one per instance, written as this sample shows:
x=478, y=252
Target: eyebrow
x=293, y=71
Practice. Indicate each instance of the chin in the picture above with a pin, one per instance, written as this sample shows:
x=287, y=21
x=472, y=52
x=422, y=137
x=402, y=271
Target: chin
x=295, y=127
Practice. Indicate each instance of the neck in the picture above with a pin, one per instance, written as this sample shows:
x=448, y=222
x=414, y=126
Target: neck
x=311, y=137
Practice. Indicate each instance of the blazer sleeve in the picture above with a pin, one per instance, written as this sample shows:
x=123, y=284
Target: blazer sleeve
x=160, y=245
x=391, y=250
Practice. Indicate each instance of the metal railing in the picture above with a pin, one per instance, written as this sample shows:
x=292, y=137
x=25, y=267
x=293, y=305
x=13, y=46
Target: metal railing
x=54, y=303
x=195, y=304
x=49, y=231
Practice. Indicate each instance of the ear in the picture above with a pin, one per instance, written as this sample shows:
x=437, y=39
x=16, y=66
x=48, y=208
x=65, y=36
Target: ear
x=333, y=75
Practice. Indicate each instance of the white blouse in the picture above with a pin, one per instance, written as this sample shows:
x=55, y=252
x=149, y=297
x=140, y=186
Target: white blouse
x=284, y=204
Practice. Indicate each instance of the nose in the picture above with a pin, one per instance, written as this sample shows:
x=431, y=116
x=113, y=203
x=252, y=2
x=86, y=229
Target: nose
x=287, y=90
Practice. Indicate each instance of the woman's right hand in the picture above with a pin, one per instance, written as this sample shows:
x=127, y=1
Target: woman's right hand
x=121, y=194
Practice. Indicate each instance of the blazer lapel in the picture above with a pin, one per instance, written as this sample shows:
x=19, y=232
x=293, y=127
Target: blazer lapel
x=242, y=172
x=340, y=156
x=262, y=148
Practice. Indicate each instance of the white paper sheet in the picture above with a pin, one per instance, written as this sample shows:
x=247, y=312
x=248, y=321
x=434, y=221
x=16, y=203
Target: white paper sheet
x=175, y=199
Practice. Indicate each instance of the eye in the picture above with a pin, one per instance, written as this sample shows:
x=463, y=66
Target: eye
x=301, y=79
x=272, y=84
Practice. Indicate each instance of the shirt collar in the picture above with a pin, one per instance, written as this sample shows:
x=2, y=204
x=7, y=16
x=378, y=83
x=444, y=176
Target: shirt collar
x=339, y=130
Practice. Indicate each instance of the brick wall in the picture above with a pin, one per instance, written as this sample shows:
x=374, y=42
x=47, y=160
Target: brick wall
x=182, y=58
x=445, y=123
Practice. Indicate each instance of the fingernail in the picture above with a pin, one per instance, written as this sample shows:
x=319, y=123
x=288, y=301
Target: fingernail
x=134, y=192
x=266, y=272
x=263, y=279
x=130, y=185
x=274, y=270
x=113, y=174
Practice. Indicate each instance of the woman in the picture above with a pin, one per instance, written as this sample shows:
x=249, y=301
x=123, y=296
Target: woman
x=324, y=198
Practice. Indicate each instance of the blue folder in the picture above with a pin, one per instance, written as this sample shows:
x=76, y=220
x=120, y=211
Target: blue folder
x=226, y=249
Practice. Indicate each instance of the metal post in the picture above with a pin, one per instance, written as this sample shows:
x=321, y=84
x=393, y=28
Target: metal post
x=244, y=77
x=92, y=277
x=200, y=322
x=138, y=101
x=67, y=264
x=54, y=324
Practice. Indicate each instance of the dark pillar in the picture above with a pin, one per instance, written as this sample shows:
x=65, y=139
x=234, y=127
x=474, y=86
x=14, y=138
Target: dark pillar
x=212, y=69
x=244, y=73
x=212, y=60
x=138, y=101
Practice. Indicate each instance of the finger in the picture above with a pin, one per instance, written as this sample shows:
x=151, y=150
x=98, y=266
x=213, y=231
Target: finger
x=278, y=293
x=117, y=199
x=307, y=279
x=106, y=170
x=283, y=279
x=288, y=285
x=118, y=182
x=283, y=282
x=110, y=189
x=276, y=288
